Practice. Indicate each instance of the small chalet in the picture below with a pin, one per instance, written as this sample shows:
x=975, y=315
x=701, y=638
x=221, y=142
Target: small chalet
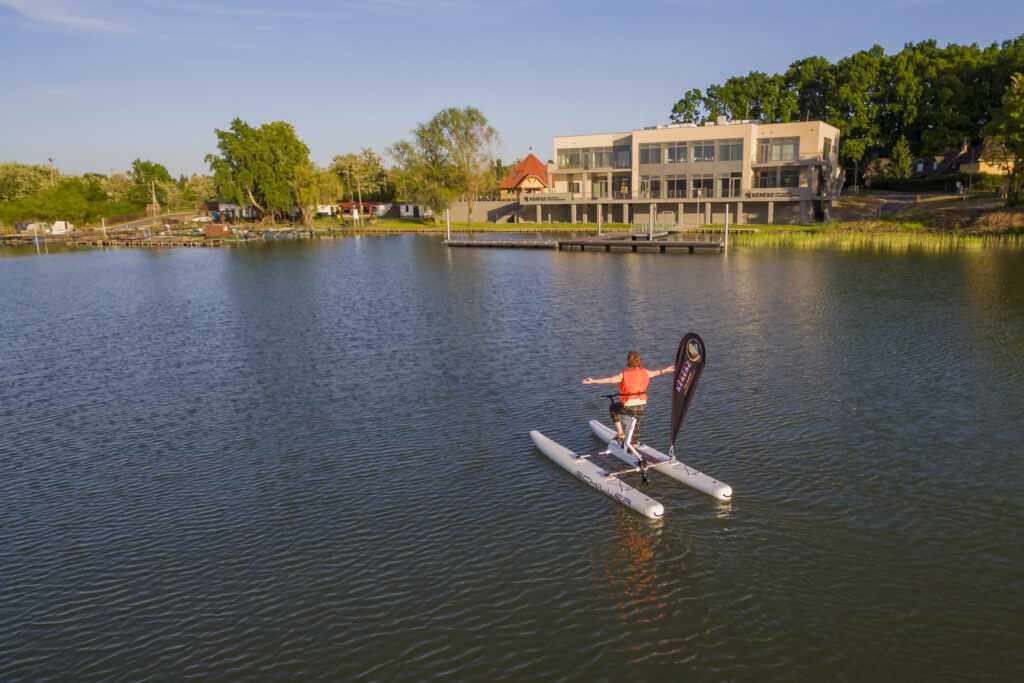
x=529, y=175
x=364, y=209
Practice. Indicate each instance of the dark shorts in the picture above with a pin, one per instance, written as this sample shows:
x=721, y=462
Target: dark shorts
x=618, y=409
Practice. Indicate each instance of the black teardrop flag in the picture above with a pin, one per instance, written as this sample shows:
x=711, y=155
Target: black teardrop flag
x=690, y=359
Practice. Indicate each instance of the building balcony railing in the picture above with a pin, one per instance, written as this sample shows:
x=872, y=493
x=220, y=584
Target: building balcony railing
x=800, y=160
x=559, y=197
x=587, y=166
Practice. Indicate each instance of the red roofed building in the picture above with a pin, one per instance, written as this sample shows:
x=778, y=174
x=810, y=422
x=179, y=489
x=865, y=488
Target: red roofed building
x=529, y=175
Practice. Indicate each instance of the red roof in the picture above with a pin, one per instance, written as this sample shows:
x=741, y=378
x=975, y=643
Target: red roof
x=529, y=166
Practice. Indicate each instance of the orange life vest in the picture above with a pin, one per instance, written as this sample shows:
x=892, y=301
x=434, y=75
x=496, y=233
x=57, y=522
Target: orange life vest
x=633, y=387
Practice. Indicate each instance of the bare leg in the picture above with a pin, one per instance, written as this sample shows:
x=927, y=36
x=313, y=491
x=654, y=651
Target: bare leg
x=619, y=434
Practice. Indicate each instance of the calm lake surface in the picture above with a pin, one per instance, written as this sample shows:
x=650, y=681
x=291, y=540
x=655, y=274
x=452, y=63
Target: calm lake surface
x=311, y=461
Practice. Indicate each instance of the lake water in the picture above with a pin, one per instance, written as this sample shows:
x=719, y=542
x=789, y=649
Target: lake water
x=311, y=461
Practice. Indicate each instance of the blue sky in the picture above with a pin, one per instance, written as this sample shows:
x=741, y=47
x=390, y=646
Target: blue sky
x=97, y=83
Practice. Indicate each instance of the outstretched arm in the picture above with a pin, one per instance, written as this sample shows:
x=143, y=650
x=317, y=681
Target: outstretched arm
x=658, y=373
x=614, y=379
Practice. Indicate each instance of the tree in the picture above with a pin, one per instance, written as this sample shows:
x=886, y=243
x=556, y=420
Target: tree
x=901, y=158
x=470, y=142
x=265, y=167
x=424, y=171
x=449, y=156
x=1006, y=132
x=305, y=190
x=329, y=188
x=812, y=80
x=690, y=108
x=361, y=174
x=22, y=180
x=117, y=186
x=200, y=189
x=933, y=96
x=148, y=179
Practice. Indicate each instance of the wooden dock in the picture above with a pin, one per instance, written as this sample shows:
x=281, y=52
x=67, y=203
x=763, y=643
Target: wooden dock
x=661, y=246
x=505, y=244
x=146, y=243
x=618, y=242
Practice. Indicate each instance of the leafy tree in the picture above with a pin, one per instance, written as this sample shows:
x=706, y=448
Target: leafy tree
x=933, y=96
x=855, y=103
x=117, y=186
x=200, y=189
x=690, y=108
x=145, y=173
x=813, y=81
x=264, y=167
x=424, y=171
x=449, y=156
x=469, y=140
x=305, y=190
x=902, y=160
x=329, y=187
x=22, y=180
x=360, y=175
x=1006, y=131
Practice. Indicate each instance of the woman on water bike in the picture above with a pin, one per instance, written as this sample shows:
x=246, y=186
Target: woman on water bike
x=633, y=381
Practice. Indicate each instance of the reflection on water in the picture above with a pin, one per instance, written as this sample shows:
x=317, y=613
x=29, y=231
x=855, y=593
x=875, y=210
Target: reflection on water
x=313, y=459
x=630, y=571
x=881, y=242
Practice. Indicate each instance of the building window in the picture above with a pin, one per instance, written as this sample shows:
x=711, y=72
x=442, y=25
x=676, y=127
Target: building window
x=767, y=177
x=789, y=177
x=704, y=151
x=675, y=187
x=778, y=149
x=676, y=153
x=730, y=150
x=569, y=158
x=650, y=154
x=620, y=187
x=574, y=187
x=650, y=187
x=599, y=187
x=729, y=185
x=703, y=186
x=622, y=157
x=827, y=150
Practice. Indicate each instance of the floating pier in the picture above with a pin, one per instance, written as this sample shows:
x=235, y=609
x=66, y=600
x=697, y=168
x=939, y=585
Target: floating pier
x=505, y=244
x=661, y=246
x=147, y=243
x=634, y=242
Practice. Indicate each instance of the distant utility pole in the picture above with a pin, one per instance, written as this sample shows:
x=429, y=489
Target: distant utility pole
x=152, y=194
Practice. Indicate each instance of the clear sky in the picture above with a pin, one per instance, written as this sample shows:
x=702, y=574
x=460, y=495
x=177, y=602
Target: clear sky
x=97, y=83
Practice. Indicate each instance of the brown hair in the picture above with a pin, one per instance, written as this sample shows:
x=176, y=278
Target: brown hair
x=633, y=359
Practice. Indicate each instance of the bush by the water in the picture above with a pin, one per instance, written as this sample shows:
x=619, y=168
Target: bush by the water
x=79, y=200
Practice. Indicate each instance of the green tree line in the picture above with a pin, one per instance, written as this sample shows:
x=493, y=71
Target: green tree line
x=932, y=97
x=32, y=192
x=450, y=157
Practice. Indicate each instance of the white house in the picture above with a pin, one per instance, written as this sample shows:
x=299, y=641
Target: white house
x=414, y=211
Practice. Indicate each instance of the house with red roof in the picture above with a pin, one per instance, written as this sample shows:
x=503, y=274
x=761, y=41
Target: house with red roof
x=529, y=175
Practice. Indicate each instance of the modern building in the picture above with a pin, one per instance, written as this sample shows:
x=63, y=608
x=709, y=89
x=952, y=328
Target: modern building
x=690, y=174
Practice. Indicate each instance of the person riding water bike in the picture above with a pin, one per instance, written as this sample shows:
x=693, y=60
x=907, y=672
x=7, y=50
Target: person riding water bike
x=633, y=381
